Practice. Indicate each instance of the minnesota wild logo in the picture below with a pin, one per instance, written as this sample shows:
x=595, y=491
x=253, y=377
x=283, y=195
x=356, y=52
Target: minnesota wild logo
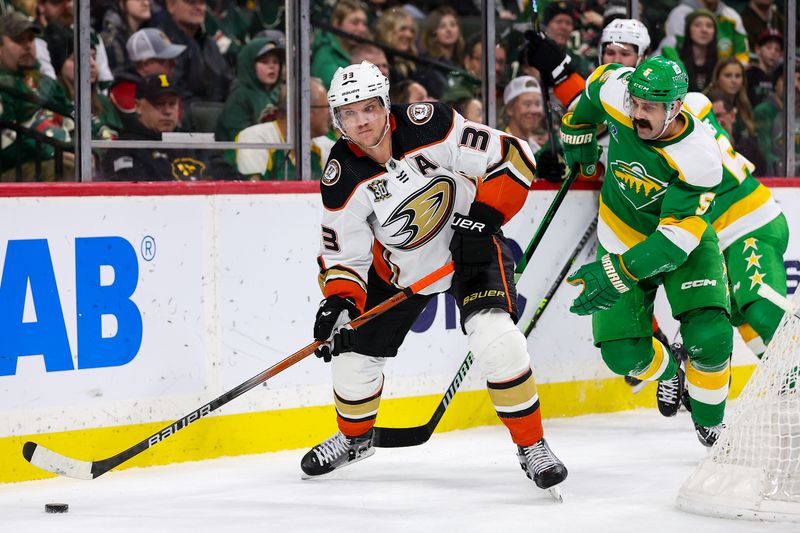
x=640, y=188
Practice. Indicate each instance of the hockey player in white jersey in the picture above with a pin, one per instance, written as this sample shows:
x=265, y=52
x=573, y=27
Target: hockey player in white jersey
x=405, y=190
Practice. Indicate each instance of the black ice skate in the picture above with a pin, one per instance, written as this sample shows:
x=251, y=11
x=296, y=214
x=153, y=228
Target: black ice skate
x=336, y=452
x=708, y=435
x=542, y=467
x=670, y=391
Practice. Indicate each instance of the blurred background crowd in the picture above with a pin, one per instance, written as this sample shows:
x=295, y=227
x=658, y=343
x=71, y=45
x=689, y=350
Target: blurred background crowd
x=219, y=67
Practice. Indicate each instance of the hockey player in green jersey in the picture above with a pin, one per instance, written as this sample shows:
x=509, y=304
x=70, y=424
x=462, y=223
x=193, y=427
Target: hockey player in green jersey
x=653, y=228
x=753, y=234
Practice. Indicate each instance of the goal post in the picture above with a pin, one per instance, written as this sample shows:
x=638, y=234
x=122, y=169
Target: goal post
x=753, y=471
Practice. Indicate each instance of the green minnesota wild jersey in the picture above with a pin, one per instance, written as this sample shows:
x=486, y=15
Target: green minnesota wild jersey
x=742, y=204
x=656, y=197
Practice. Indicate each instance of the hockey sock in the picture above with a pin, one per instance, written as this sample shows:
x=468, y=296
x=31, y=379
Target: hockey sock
x=763, y=316
x=708, y=390
x=645, y=358
x=752, y=339
x=356, y=417
x=517, y=404
x=708, y=337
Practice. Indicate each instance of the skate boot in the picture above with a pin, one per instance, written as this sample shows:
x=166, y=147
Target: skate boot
x=670, y=391
x=542, y=467
x=708, y=435
x=336, y=452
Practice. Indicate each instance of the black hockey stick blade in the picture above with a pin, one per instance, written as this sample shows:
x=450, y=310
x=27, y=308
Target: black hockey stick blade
x=414, y=436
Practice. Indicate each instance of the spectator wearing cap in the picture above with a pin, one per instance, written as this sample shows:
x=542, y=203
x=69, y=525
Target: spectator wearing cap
x=120, y=21
x=560, y=21
x=158, y=112
x=255, y=98
x=731, y=36
x=523, y=113
x=28, y=99
x=759, y=16
x=106, y=124
x=522, y=108
x=281, y=164
x=769, y=51
x=769, y=125
x=331, y=51
x=204, y=73
x=150, y=52
x=60, y=11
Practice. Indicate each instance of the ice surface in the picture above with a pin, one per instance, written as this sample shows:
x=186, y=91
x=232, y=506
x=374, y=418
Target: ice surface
x=625, y=471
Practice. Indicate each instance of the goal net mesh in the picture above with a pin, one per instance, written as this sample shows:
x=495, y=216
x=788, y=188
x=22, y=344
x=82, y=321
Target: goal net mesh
x=753, y=471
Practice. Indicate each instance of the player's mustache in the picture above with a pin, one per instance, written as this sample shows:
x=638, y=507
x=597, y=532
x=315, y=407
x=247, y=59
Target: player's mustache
x=643, y=123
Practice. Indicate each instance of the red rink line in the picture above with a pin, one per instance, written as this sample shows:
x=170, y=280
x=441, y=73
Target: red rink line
x=192, y=188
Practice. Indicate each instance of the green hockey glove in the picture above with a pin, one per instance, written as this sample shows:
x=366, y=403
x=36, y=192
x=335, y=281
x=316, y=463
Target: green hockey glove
x=580, y=144
x=603, y=281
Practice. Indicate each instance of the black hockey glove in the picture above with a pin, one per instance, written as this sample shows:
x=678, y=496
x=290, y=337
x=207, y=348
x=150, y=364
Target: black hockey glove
x=332, y=314
x=549, y=166
x=472, y=245
x=548, y=58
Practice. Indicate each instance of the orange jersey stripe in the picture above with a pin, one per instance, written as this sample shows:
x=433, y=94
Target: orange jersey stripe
x=569, y=89
x=346, y=289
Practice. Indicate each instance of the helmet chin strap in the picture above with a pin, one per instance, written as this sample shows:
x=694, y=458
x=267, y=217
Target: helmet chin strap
x=669, y=120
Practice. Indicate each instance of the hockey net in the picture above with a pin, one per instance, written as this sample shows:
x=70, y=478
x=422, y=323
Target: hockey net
x=753, y=471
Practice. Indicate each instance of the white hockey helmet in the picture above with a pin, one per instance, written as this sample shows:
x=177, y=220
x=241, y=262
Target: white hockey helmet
x=627, y=31
x=355, y=83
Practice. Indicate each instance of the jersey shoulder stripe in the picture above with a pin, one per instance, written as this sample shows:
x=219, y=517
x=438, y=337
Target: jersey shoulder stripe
x=695, y=156
x=607, y=90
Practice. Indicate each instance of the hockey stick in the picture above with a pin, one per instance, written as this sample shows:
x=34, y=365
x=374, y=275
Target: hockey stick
x=548, y=112
x=414, y=436
x=765, y=291
x=561, y=275
x=56, y=463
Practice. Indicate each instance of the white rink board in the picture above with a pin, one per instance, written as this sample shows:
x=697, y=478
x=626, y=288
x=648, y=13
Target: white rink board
x=232, y=289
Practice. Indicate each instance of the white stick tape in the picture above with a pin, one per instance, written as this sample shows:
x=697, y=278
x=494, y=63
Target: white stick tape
x=765, y=291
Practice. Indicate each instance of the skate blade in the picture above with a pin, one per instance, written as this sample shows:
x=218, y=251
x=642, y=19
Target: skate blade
x=636, y=389
x=370, y=453
x=555, y=493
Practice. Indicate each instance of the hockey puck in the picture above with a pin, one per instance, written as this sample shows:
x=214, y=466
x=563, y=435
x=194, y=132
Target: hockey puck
x=56, y=508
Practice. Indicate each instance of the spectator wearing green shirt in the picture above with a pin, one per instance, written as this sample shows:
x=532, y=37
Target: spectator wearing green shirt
x=28, y=99
x=331, y=51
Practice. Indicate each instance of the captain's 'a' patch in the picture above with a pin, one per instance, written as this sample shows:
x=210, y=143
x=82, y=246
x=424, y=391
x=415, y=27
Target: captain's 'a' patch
x=420, y=113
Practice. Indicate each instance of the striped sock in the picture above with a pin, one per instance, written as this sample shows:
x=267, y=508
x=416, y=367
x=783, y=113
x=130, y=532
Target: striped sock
x=356, y=417
x=517, y=404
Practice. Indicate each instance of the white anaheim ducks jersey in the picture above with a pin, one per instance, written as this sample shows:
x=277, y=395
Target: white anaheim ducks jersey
x=396, y=217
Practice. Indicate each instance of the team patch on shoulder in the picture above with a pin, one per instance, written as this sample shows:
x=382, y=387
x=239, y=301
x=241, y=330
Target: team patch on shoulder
x=332, y=172
x=420, y=113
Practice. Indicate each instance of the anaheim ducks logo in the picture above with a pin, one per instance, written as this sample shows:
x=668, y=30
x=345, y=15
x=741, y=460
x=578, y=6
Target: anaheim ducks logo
x=638, y=186
x=422, y=215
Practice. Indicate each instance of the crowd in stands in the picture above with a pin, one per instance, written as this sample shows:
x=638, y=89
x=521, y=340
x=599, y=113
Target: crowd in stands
x=219, y=66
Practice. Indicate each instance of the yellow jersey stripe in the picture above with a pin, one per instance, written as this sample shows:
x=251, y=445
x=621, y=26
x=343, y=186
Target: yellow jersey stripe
x=746, y=205
x=629, y=236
